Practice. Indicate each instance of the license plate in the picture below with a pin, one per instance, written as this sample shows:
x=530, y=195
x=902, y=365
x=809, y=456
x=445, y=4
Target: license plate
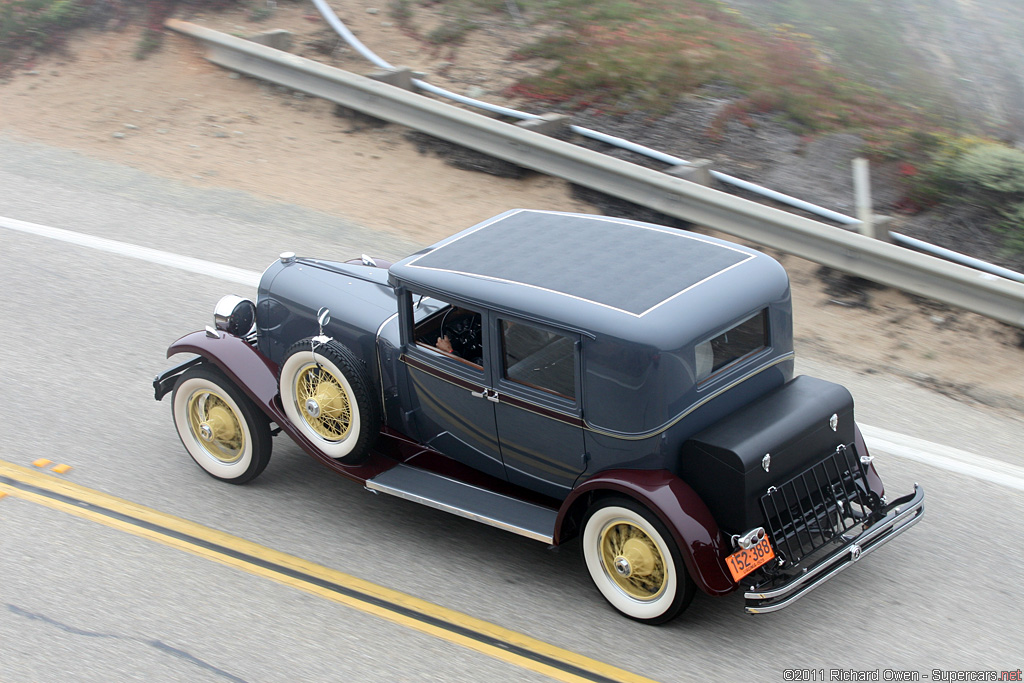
x=742, y=562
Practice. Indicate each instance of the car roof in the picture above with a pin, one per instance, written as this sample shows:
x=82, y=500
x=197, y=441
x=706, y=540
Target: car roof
x=582, y=269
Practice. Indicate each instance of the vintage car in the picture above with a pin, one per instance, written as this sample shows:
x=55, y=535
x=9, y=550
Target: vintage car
x=558, y=376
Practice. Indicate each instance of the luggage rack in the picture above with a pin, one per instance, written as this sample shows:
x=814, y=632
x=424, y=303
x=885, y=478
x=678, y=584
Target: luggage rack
x=824, y=502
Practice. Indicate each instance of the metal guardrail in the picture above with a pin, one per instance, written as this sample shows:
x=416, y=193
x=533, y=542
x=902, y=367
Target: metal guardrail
x=831, y=246
x=669, y=160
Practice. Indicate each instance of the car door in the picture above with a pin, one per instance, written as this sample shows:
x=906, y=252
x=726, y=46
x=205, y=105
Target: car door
x=452, y=402
x=538, y=415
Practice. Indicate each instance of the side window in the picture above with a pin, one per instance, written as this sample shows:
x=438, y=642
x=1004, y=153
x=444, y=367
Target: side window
x=453, y=331
x=538, y=358
x=743, y=340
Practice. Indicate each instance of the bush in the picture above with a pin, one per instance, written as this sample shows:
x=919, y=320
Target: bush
x=1012, y=227
x=979, y=171
x=996, y=173
x=38, y=24
x=991, y=167
x=28, y=26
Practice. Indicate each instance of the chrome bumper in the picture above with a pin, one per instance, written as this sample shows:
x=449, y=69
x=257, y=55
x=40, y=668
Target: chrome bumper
x=900, y=515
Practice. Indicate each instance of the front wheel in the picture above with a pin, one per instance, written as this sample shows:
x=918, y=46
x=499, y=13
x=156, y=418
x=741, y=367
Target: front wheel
x=221, y=428
x=634, y=562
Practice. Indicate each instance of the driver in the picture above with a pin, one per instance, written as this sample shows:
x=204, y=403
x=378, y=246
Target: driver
x=445, y=344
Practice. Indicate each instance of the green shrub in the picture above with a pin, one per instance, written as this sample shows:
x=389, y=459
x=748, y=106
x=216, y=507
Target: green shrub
x=452, y=32
x=991, y=167
x=1012, y=226
x=996, y=174
x=37, y=24
x=400, y=11
x=261, y=11
x=982, y=172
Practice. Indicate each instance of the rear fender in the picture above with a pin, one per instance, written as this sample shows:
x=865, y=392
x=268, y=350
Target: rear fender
x=679, y=508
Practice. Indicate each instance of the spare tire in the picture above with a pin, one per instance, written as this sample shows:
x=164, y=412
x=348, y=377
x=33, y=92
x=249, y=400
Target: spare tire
x=327, y=394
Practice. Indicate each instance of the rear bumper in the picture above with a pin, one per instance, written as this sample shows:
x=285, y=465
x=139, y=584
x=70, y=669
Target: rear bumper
x=900, y=515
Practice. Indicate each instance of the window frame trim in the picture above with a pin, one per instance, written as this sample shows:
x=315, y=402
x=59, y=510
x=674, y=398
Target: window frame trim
x=701, y=384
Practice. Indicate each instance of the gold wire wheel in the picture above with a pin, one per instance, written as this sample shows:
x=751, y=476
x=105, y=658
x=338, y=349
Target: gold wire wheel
x=216, y=427
x=632, y=559
x=323, y=402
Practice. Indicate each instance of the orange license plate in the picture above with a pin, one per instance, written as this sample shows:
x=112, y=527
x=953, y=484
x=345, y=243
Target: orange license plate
x=742, y=562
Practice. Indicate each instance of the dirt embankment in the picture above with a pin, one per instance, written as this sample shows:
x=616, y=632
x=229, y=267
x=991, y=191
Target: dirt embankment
x=177, y=116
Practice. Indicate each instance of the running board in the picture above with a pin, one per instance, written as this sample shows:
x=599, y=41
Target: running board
x=442, y=493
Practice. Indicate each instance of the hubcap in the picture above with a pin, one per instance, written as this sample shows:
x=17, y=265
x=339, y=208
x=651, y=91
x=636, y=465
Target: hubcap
x=323, y=403
x=637, y=565
x=312, y=407
x=216, y=427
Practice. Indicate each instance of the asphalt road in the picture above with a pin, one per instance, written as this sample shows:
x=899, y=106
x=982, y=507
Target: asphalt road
x=84, y=331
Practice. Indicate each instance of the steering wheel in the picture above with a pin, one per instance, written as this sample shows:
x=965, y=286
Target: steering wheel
x=465, y=332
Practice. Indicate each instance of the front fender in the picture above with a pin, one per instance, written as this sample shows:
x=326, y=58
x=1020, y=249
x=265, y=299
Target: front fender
x=679, y=508
x=245, y=366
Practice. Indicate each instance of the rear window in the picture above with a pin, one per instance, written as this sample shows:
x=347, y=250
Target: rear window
x=745, y=339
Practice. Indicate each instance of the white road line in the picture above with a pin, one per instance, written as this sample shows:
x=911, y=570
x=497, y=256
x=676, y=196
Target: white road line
x=945, y=457
x=893, y=443
x=163, y=258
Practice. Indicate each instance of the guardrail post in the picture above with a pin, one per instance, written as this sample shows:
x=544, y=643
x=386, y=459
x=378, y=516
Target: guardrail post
x=875, y=227
x=554, y=125
x=400, y=77
x=880, y=227
x=697, y=171
x=279, y=39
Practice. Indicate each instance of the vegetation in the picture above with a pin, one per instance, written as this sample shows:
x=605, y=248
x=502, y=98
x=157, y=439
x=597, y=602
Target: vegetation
x=39, y=24
x=978, y=171
x=629, y=55
x=452, y=32
x=28, y=26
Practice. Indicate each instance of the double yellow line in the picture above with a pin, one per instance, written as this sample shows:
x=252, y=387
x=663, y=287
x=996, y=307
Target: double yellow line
x=455, y=627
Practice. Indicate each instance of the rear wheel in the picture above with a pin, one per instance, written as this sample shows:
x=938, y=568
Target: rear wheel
x=326, y=393
x=634, y=562
x=221, y=428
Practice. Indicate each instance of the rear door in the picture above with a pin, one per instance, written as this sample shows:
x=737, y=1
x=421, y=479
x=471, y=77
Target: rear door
x=538, y=414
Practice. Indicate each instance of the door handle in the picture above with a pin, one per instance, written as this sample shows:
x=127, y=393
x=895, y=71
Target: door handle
x=490, y=394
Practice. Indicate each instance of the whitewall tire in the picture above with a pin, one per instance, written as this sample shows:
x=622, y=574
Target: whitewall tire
x=634, y=561
x=220, y=427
